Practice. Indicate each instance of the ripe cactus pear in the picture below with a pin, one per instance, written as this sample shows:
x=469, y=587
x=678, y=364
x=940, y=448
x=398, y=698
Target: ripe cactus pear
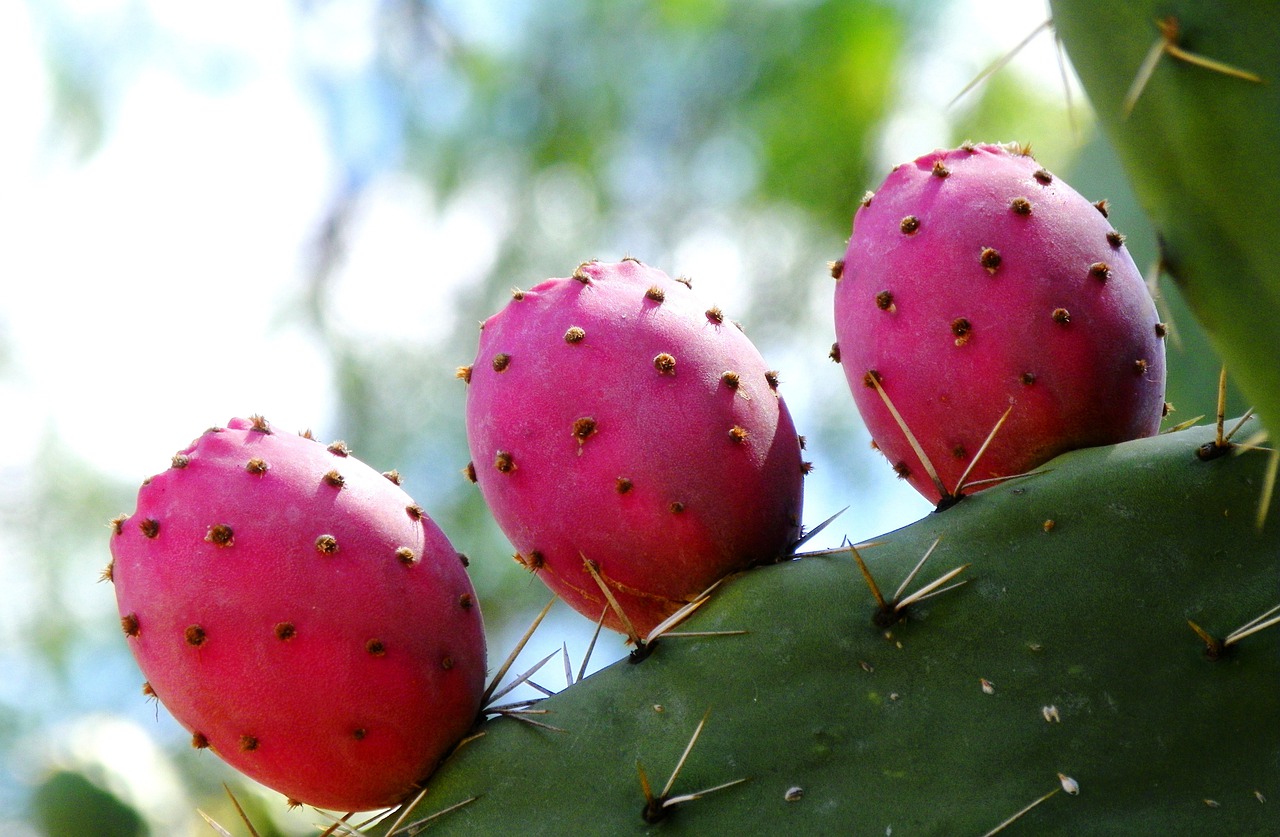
x=300, y=615
x=613, y=417
x=975, y=283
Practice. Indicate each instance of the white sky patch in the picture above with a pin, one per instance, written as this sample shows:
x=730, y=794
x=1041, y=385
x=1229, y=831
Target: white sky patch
x=962, y=43
x=147, y=282
x=406, y=261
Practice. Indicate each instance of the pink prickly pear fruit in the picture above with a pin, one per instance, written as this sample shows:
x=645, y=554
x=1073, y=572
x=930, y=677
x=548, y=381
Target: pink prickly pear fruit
x=613, y=417
x=976, y=282
x=300, y=616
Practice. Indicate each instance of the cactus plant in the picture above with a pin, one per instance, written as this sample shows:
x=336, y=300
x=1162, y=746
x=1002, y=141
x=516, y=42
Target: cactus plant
x=1067, y=652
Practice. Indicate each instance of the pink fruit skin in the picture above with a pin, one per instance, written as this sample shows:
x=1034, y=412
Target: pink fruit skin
x=338, y=679
x=1093, y=375
x=661, y=492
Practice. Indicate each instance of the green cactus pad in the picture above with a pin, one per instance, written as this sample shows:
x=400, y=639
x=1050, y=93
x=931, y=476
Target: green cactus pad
x=1199, y=145
x=1067, y=652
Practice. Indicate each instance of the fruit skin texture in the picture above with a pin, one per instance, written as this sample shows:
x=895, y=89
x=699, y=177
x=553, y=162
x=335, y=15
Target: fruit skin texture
x=602, y=426
x=976, y=281
x=338, y=678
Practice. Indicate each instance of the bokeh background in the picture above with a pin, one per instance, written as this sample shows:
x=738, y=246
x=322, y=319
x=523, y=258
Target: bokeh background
x=303, y=208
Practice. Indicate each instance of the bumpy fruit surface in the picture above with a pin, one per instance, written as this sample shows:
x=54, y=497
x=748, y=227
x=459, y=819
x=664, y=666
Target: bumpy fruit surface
x=977, y=282
x=300, y=616
x=614, y=417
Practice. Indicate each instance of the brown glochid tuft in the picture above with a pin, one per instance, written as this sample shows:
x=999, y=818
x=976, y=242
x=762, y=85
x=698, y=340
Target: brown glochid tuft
x=199, y=741
x=406, y=556
x=731, y=379
x=715, y=315
x=1028, y=378
x=738, y=434
x=220, y=534
x=901, y=469
x=326, y=544
x=1103, y=206
x=836, y=268
x=884, y=301
x=333, y=478
x=1061, y=316
x=284, y=631
x=108, y=572
x=256, y=466
x=501, y=361
x=806, y=468
x=872, y=378
x=117, y=524
x=655, y=294
x=339, y=448
x=1042, y=176
x=470, y=472
x=517, y=294
x=834, y=354
x=248, y=743
x=574, y=334
x=623, y=485
x=665, y=364
x=677, y=507
x=376, y=648
x=259, y=424
x=771, y=378
x=686, y=281
x=466, y=601
x=961, y=328
x=1140, y=366
x=393, y=476
x=959, y=452
x=129, y=624
x=1115, y=239
x=866, y=198
x=940, y=169
x=194, y=635
x=463, y=373
x=414, y=511
x=990, y=259
x=1162, y=330
x=1020, y=206
x=180, y=460
x=463, y=559
x=580, y=272
x=1100, y=271
x=504, y=462
x=446, y=663
x=150, y=527
x=584, y=428
x=909, y=225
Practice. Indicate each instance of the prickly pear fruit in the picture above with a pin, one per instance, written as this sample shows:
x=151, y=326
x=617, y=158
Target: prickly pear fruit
x=615, y=418
x=300, y=615
x=975, y=283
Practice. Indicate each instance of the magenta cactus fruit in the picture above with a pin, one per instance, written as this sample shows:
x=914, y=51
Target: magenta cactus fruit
x=975, y=283
x=613, y=417
x=300, y=616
